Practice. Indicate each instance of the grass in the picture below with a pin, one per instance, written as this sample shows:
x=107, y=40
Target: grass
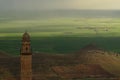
x=60, y=35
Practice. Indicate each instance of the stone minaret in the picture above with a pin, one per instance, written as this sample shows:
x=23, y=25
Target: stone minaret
x=26, y=58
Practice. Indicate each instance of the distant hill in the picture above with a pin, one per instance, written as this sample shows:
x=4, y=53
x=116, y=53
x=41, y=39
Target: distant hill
x=92, y=54
x=82, y=64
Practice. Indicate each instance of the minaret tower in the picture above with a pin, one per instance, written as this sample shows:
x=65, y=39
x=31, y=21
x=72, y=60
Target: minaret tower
x=26, y=58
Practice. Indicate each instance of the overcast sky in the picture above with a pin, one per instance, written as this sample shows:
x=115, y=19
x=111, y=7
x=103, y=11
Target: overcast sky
x=59, y=4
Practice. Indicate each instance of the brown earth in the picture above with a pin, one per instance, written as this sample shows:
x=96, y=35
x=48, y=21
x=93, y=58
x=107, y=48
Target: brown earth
x=81, y=71
x=89, y=62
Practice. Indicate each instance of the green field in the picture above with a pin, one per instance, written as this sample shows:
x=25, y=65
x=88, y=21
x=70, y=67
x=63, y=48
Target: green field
x=60, y=35
x=77, y=27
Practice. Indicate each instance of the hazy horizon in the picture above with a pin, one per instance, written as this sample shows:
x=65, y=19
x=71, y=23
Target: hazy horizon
x=59, y=4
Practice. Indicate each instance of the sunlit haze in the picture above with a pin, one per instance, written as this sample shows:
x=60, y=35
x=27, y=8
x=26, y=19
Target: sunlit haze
x=58, y=4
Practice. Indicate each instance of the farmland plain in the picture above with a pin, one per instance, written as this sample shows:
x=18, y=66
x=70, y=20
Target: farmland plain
x=60, y=34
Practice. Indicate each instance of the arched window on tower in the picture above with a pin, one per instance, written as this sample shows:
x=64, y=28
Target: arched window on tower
x=27, y=49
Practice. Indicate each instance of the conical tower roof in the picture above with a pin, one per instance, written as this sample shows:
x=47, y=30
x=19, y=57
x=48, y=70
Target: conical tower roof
x=26, y=37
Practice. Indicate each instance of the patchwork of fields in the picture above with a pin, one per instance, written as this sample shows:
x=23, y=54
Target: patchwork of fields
x=60, y=35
